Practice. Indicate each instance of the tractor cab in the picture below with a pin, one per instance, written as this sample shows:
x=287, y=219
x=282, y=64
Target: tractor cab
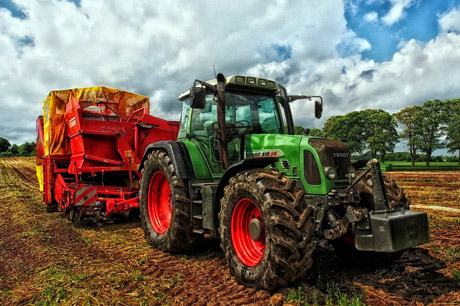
x=245, y=114
x=249, y=106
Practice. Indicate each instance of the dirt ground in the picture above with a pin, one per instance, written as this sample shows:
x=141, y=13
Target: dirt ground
x=46, y=260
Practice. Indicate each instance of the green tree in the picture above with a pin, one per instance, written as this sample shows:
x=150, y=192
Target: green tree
x=6, y=154
x=371, y=129
x=432, y=118
x=408, y=118
x=380, y=129
x=299, y=130
x=26, y=149
x=349, y=128
x=4, y=144
x=316, y=133
x=453, y=126
x=14, y=149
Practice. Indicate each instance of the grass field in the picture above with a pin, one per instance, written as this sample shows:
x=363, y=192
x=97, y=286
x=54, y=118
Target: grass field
x=421, y=166
x=46, y=260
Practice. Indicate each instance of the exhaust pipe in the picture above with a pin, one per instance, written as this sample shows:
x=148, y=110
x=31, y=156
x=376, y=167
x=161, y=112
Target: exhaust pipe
x=222, y=133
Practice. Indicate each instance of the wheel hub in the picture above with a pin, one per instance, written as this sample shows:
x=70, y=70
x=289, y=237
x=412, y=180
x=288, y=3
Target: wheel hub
x=159, y=203
x=256, y=229
x=248, y=232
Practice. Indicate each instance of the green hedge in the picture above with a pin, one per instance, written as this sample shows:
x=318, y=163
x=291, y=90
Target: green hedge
x=421, y=166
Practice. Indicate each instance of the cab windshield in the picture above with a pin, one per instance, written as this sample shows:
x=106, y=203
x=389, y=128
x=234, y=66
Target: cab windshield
x=249, y=113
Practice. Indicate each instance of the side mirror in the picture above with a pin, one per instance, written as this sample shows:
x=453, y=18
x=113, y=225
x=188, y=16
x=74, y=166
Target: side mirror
x=197, y=97
x=318, y=109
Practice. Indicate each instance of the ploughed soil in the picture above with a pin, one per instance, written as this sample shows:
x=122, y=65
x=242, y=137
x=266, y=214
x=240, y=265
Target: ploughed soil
x=45, y=259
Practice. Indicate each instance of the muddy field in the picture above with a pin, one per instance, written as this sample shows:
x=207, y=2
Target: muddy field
x=46, y=260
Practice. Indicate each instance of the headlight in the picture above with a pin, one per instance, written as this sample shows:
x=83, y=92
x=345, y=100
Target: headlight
x=330, y=172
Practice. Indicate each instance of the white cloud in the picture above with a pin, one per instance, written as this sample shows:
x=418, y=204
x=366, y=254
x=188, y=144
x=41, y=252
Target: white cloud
x=396, y=12
x=352, y=6
x=450, y=21
x=371, y=17
x=158, y=49
x=152, y=48
x=417, y=73
x=352, y=44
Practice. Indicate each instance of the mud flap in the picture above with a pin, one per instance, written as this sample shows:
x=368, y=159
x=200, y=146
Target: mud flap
x=393, y=231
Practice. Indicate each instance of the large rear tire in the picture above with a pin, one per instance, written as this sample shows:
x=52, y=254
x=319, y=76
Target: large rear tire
x=165, y=205
x=266, y=229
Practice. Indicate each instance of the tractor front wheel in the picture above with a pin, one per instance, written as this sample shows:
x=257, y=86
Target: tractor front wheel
x=266, y=229
x=165, y=205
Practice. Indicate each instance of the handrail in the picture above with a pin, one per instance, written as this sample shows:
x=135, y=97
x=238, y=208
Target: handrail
x=136, y=111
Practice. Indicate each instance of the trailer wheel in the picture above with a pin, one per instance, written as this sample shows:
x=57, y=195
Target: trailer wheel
x=266, y=229
x=51, y=207
x=165, y=205
x=76, y=216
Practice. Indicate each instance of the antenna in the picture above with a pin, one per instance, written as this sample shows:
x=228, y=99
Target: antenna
x=215, y=74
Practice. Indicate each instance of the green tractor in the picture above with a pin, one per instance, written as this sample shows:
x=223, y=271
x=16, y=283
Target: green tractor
x=237, y=172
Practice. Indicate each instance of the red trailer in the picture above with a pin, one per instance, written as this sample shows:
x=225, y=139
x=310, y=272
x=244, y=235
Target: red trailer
x=90, y=142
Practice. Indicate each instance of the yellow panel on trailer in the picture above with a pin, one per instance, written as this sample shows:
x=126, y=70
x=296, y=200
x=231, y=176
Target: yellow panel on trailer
x=54, y=126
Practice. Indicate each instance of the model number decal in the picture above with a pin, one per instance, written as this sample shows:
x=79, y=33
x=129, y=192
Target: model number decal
x=264, y=153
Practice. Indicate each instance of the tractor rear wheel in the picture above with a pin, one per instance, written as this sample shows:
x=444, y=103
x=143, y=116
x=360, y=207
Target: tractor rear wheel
x=266, y=229
x=165, y=205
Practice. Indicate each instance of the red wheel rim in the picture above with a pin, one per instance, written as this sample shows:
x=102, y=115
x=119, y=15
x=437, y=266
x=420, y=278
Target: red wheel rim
x=250, y=252
x=159, y=202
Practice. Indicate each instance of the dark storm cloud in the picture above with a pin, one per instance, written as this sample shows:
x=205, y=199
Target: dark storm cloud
x=368, y=74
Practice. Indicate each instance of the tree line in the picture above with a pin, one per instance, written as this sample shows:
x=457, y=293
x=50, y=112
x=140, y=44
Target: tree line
x=434, y=125
x=9, y=150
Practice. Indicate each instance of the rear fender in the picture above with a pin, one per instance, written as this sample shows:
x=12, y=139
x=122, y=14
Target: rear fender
x=245, y=164
x=178, y=153
x=212, y=219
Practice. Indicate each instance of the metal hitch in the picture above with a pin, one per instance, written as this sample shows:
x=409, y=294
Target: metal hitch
x=389, y=230
x=393, y=231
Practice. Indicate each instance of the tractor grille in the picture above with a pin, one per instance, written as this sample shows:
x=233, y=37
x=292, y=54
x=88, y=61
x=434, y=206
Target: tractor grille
x=286, y=165
x=312, y=174
x=332, y=154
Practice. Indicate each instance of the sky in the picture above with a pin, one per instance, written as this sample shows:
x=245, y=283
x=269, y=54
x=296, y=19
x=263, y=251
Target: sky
x=356, y=54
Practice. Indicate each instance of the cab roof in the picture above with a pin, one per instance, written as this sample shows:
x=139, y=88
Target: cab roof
x=242, y=82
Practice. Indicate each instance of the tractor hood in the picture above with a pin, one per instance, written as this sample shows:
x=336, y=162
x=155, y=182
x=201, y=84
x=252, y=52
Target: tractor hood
x=306, y=158
x=286, y=147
